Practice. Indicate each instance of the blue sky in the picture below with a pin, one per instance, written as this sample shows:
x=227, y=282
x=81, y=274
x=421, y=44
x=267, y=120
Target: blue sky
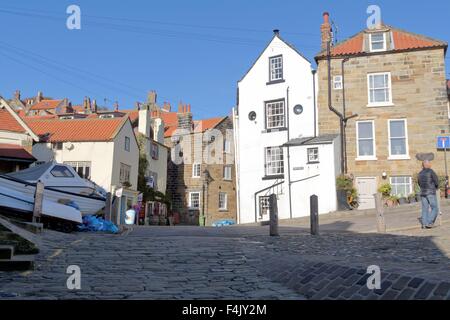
x=191, y=51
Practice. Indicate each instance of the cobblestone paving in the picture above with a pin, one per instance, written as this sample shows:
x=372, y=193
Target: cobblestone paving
x=237, y=263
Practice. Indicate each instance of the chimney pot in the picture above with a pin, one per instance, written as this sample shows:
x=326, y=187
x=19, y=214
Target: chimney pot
x=276, y=32
x=17, y=94
x=326, y=17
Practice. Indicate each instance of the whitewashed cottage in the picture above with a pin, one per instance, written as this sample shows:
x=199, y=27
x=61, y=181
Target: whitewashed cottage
x=278, y=149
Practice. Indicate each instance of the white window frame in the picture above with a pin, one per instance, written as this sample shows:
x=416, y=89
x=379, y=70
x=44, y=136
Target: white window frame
x=264, y=206
x=337, y=82
x=398, y=157
x=371, y=42
x=266, y=163
x=225, y=176
x=124, y=173
x=312, y=150
x=227, y=146
x=384, y=103
x=269, y=104
x=272, y=69
x=410, y=184
x=224, y=205
x=366, y=158
x=76, y=165
x=190, y=200
x=127, y=144
x=194, y=171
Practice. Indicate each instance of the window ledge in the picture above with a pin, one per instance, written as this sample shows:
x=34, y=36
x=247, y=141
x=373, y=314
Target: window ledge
x=380, y=105
x=229, y=180
x=313, y=162
x=274, y=130
x=281, y=176
x=399, y=158
x=366, y=159
x=275, y=82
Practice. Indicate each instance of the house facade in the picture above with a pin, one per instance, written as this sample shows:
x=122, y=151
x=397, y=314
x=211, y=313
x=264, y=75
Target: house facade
x=16, y=140
x=201, y=172
x=104, y=151
x=278, y=149
x=393, y=85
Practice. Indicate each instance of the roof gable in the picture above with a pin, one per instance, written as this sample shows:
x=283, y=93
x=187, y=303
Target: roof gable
x=11, y=121
x=46, y=105
x=401, y=41
x=274, y=38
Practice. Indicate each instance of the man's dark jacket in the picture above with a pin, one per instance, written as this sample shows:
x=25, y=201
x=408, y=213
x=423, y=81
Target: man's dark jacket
x=428, y=182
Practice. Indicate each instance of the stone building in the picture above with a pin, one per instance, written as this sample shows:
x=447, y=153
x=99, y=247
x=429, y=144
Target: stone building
x=393, y=84
x=201, y=174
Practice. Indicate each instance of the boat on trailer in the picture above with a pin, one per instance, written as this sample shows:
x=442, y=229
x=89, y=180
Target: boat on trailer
x=55, y=215
x=62, y=185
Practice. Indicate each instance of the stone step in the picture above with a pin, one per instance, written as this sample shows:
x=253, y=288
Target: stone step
x=6, y=252
x=17, y=263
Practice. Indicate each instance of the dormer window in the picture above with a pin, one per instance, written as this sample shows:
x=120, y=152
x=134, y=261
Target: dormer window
x=378, y=42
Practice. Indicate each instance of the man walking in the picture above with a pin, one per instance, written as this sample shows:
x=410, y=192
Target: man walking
x=429, y=183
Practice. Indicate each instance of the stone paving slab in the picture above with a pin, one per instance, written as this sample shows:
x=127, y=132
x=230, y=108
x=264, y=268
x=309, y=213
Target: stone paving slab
x=237, y=263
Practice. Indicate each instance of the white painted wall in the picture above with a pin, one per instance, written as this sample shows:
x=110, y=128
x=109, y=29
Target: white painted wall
x=20, y=139
x=322, y=180
x=105, y=157
x=100, y=154
x=158, y=166
x=253, y=92
x=120, y=155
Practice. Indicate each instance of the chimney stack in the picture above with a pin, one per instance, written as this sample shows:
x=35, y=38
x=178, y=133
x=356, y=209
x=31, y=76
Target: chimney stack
x=276, y=32
x=39, y=97
x=167, y=107
x=325, y=31
x=94, y=106
x=116, y=106
x=17, y=94
x=184, y=116
x=151, y=99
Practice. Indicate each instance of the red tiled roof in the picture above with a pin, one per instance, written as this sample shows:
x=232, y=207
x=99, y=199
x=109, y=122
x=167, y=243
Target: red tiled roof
x=403, y=40
x=9, y=123
x=199, y=126
x=76, y=130
x=46, y=104
x=14, y=152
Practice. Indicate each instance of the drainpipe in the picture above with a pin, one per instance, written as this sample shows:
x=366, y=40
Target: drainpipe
x=288, y=155
x=344, y=131
x=314, y=72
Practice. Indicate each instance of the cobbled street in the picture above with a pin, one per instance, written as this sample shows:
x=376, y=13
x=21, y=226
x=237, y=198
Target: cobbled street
x=237, y=263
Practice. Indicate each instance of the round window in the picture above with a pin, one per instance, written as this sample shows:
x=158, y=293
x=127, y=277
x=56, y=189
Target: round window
x=252, y=116
x=298, y=109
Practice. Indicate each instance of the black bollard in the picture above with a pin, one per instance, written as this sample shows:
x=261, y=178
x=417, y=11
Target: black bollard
x=314, y=214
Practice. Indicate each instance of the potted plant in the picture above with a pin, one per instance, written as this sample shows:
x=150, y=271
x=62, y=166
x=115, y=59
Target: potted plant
x=412, y=198
x=346, y=193
x=392, y=201
x=385, y=190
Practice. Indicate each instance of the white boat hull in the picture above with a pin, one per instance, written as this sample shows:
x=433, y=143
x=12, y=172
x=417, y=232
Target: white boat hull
x=88, y=204
x=19, y=201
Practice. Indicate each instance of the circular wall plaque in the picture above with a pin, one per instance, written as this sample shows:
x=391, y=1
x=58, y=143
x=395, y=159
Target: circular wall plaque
x=298, y=109
x=252, y=116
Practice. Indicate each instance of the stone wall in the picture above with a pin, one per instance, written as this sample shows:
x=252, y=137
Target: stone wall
x=181, y=182
x=419, y=95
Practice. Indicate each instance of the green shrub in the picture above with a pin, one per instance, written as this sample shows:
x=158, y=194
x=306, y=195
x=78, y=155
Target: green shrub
x=385, y=190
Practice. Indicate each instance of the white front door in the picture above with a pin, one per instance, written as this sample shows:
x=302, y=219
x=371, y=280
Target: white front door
x=367, y=187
